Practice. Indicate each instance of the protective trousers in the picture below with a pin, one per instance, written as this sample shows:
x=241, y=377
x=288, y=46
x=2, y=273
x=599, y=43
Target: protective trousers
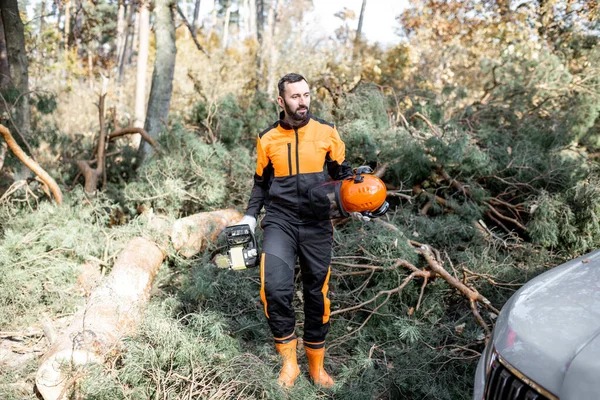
x=283, y=243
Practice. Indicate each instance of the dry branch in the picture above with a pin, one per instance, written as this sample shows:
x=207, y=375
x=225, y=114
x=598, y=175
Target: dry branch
x=428, y=122
x=92, y=175
x=433, y=269
x=453, y=182
x=113, y=310
x=504, y=217
x=131, y=130
x=185, y=21
x=31, y=164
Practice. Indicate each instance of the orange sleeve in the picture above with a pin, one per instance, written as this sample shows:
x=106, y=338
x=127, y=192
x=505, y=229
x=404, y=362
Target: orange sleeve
x=261, y=158
x=337, y=148
x=337, y=166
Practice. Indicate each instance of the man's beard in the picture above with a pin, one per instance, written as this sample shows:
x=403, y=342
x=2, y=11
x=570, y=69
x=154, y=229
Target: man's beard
x=295, y=115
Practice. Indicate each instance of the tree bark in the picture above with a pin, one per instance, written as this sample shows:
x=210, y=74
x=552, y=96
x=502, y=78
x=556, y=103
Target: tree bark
x=4, y=69
x=127, y=42
x=142, y=65
x=67, y=28
x=42, y=17
x=17, y=61
x=252, y=18
x=196, y=15
x=120, y=32
x=273, y=53
x=135, y=42
x=260, y=19
x=226, y=25
x=359, y=29
x=162, y=76
x=113, y=310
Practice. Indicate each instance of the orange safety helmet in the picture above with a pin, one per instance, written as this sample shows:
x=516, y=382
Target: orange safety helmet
x=363, y=193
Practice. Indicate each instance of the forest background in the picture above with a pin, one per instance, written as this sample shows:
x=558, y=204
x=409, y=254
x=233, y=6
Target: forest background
x=482, y=121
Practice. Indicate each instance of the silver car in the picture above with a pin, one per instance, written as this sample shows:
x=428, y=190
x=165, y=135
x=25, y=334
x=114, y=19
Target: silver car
x=546, y=343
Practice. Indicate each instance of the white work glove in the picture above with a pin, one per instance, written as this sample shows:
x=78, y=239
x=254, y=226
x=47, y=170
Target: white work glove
x=356, y=216
x=250, y=221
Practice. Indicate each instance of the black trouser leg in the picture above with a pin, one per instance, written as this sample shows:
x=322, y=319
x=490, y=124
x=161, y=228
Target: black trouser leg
x=277, y=277
x=315, y=255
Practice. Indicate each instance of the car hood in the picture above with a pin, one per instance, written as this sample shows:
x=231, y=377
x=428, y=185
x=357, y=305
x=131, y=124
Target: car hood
x=550, y=329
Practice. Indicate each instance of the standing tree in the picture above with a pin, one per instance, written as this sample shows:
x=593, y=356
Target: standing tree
x=359, y=29
x=196, y=16
x=142, y=63
x=4, y=70
x=162, y=76
x=17, y=61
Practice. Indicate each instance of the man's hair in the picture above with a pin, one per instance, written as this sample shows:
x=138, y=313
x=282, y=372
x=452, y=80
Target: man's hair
x=289, y=78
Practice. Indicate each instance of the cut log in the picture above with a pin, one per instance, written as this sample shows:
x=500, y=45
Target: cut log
x=115, y=308
x=191, y=234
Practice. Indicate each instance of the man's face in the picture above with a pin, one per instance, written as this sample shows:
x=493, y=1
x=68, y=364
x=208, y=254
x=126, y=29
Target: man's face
x=295, y=100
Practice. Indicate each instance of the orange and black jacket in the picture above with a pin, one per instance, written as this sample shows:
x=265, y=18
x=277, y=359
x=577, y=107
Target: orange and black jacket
x=292, y=160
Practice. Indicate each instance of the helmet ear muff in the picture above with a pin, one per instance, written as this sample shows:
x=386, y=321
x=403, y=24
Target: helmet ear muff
x=379, y=212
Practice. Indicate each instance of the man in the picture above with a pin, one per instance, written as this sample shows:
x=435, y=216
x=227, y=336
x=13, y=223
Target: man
x=296, y=153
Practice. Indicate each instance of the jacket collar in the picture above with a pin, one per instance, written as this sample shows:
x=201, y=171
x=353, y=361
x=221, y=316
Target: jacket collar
x=285, y=125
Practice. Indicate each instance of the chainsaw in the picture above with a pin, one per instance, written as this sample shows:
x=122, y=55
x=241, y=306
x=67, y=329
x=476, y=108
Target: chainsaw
x=242, y=251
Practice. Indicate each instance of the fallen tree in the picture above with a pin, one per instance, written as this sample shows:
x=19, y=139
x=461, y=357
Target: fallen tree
x=115, y=308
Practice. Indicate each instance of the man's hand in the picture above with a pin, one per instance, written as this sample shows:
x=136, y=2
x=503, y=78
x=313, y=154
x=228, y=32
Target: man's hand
x=249, y=220
x=356, y=216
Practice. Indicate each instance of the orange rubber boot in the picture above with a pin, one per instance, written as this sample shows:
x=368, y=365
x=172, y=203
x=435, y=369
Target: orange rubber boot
x=290, y=370
x=315, y=367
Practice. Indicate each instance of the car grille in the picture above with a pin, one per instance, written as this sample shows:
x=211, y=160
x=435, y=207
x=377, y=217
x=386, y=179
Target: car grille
x=502, y=384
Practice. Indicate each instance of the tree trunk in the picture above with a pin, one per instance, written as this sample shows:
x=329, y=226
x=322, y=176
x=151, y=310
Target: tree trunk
x=162, y=76
x=17, y=61
x=127, y=42
x=196, y=15
x=135, y=43
x=267, y=50
x=251, y=18
x=78, y=24
x=260, y=19
x=142, y=65
x=4, y=69
x=42, y=17
x=59, y=16
x=120, y=32
x=226, y=25
x=214, y=17
x=67, y=29
x=272, y=51
x=359, y=29
x=114, y=309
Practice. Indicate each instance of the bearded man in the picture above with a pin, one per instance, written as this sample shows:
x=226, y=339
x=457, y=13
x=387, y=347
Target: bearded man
x=295, y=154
